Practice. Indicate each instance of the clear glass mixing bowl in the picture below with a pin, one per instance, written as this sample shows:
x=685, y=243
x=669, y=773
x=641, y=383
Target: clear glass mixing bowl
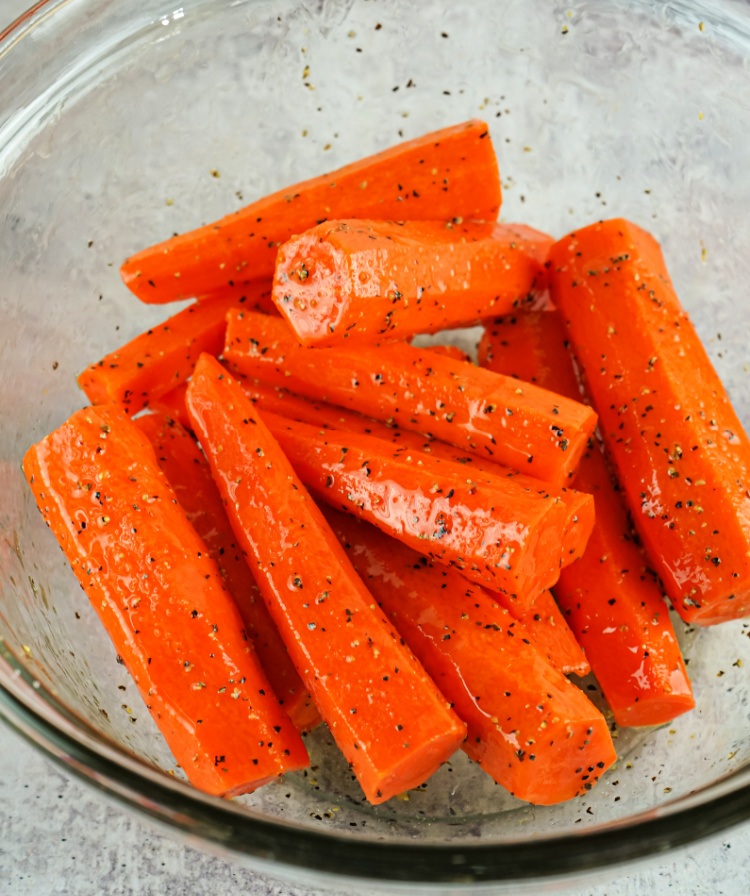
x=123, y=122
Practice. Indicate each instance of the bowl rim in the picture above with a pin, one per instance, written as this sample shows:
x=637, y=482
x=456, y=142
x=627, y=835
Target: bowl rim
x=35, y=713
x=44, y=721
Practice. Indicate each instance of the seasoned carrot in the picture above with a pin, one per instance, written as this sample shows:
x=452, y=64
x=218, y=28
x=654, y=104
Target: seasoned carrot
x=681, y=454
x=497, y=532
x=171, y=405
x=451, y=351
x=552, y=635
x=159, y=594
x=546, y=625
x=365, y=281
x=253, y=295
x=518, y=425
x=189, y=474
x=443, y=175
x=579, y=507
x=529, y=727
x=386, y=715
x=165, y=355
x=611, y=600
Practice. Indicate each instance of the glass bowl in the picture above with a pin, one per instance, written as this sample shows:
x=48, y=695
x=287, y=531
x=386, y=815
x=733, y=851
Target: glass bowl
x=123, y=122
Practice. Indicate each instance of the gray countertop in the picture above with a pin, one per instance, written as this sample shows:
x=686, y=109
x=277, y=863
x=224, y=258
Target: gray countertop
x=60, y=838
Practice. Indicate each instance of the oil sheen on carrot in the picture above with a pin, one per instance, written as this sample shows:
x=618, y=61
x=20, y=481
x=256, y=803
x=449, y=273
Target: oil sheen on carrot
x=442, y=175
x=611, y=597
x=386, y=715
x=368, y=281
x=189, y=474
x=516, y=424
x=681, y=453
x=529, y=727
x=160, y=596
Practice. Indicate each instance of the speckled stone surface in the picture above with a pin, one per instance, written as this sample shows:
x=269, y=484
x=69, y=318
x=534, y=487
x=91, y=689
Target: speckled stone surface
x=60, y=838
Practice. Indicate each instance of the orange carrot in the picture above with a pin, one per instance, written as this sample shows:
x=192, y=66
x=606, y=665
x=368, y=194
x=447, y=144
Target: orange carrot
x=165, y=355
x=446, y=174
x=529, y=727
x=171, y=405
x=497, y=532
x=365, y=281
x=518, y=425
x=326, y=416
x=253, y=295
x=552, y=635
x=547, y=626
x=681, y=454
x=189, y=474
x=159, y=595
x=612, y=602
x=386, y=715
x=451, y=351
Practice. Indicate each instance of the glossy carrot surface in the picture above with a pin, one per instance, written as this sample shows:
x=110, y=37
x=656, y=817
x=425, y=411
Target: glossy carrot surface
x=680, y=451
x=611, y=598
x=579, y=507
x=439, y=176
x=369, y=281
x=253, y=295
x=484, y=413
x=451, y=351
x=529, y=727
x=164, y=356
x=189, y=474
x=386, y=715
x=553, y=636
x=497, y=532
x=160, y=596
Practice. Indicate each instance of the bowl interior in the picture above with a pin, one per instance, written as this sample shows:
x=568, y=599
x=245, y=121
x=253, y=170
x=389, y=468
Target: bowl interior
x=123, y=123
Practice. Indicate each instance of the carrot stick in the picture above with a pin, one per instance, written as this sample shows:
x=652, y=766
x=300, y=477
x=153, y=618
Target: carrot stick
x=254, y=295
x=497, y=532
x=612, y=602
x=366, y=281
x=681, y=454
x=553, y=636
x=446, y=174
x=529, y=728
x=159, y=595
x=171, y=405
x=451, y=351
x=189, y=474
x=163, y=356
x=518, y=425
x=578, y=506
x=386, y=715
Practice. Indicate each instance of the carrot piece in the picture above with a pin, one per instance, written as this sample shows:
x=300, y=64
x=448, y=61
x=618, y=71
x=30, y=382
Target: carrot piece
x=446, y=174
x=254, y=295
x=159, y=595
x=497, y=532
x=614, y=606
x=189, y=474
x=451, y=351
x=543, y=619
x=578, y=506
x=365, y=281
x=521, y=426
x=163, y=356
x=681, y=454
x=171, y=405
x=386, y=715
x=528, y=727
x=553, y=636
